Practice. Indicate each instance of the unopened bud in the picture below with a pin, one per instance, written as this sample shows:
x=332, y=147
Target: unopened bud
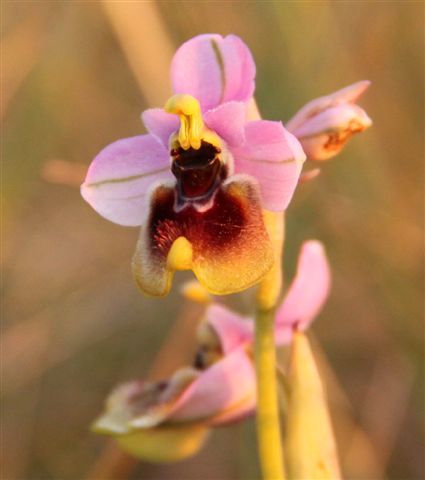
x=324, y=125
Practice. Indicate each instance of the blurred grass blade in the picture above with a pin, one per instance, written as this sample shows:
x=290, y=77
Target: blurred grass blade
x=146, y=45
x=310, y=445
x=21, y=50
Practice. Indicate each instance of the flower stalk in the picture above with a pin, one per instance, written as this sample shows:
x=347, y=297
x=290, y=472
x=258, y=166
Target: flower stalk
x=271, y=286
x=268, y=425
x=269, y=436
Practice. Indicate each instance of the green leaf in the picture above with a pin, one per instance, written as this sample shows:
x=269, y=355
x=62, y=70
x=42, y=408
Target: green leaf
x=310, y=444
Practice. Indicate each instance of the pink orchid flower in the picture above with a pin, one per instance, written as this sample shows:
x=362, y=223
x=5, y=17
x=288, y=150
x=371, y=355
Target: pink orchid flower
x=220, y=388
x=198, y=180
x=325, y=124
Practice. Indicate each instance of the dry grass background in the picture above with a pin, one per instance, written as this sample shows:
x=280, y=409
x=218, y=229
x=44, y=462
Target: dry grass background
x=76, y=75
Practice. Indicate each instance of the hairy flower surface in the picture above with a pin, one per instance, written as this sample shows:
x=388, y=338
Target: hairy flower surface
x=198, y=181
x=325, y=124
x=220, y=387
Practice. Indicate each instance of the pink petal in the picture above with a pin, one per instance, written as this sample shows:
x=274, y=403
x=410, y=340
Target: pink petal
x=351, y=93
x=274, y=157
x=346, y=95
x=120, y=176
x=160, y=124
x=223, y=386
x=283, y=334
x=308, y=291
x=214, y=70
x=232, y=329
x=238, y=412
x=336, y=118
x=228, y=121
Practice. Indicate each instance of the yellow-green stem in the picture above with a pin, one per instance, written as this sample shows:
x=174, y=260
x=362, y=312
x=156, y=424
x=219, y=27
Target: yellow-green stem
x=268, y=425
x=268, y=293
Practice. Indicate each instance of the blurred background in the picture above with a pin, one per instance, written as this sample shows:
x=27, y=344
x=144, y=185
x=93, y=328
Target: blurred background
x=76, y=76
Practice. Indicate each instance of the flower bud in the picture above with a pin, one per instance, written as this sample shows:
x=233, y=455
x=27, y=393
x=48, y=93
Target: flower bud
x=325, y=124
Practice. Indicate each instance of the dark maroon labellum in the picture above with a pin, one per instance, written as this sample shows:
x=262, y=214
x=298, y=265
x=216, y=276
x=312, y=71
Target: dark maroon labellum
x=198, y=172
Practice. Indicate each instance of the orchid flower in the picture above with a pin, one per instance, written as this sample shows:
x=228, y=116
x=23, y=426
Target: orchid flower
x=165, y=421
x=325, y=124
x=198, y=181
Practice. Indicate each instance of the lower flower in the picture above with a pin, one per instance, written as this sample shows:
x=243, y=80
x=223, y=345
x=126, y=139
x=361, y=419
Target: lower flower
x=169, y=420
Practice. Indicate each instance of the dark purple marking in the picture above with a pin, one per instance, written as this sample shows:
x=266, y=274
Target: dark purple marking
x=198, y=172
x=210, y=231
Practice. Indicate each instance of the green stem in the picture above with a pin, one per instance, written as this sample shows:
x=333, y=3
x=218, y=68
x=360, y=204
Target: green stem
x=268, y=425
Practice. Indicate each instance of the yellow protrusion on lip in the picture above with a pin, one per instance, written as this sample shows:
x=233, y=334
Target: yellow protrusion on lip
x=180, y=255
x=192, y=125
